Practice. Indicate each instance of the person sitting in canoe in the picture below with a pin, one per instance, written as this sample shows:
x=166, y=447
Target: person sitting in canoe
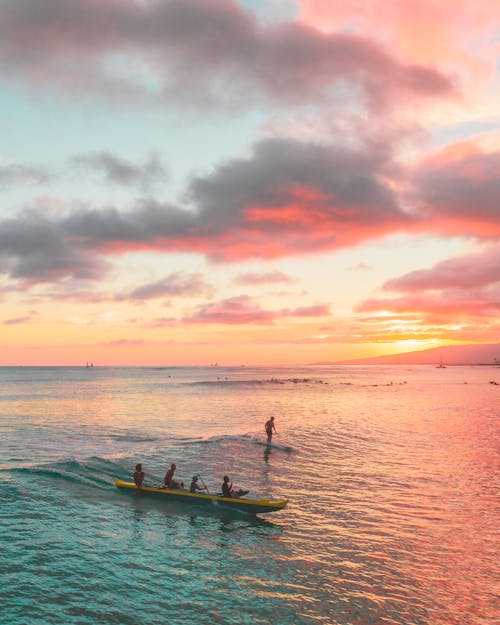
x=228, y=491
x=169, y=481
x=139, y=476
x=194, y=486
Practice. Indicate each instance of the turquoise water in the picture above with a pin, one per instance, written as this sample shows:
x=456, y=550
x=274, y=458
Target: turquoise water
x=391, y=475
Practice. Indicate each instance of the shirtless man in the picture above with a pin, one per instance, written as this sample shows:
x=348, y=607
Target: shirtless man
x=269, y=429
x=139, y=476
x=169, y=482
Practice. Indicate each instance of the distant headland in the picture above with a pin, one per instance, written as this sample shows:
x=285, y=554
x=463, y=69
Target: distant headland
x=481, y=354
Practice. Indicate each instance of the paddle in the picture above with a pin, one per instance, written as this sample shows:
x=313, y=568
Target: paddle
x=203, y=483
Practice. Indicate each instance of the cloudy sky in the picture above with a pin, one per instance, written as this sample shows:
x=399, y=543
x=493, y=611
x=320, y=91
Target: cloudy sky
x=247, y=181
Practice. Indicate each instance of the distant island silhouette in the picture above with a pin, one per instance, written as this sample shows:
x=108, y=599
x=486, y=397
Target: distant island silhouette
x=476, y=354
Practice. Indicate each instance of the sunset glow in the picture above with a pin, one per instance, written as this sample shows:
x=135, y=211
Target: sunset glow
x=195, y=181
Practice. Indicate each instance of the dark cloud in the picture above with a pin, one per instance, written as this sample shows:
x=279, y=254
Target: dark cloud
x=295, y=197
x=34, y=248
x=287, y=198
x=460, y=195
x=120, y=171
x=195, y=51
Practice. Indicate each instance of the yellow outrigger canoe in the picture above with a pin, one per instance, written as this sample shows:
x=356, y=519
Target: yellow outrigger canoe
x=250, y=506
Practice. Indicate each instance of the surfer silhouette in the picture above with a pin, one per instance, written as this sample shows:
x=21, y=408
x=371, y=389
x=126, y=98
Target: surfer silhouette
x=269, y=427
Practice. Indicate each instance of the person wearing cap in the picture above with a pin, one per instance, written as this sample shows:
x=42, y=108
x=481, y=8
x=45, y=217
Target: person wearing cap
x=139, y=476
x=169, y=481
x=194, y=486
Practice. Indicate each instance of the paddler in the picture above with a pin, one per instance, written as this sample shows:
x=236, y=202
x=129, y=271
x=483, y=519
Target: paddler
x=228, y=491
x=194, y=486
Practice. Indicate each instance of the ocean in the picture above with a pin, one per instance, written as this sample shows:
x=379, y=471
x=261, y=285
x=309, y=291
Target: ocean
x=391, y=475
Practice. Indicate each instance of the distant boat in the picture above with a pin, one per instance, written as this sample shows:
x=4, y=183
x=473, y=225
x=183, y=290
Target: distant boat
x=440, y=365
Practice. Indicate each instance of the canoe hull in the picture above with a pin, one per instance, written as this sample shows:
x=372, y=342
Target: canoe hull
x=249, y=506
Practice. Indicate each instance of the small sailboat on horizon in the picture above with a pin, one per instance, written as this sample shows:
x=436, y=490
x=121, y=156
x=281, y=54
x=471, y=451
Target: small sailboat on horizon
x=441, y=365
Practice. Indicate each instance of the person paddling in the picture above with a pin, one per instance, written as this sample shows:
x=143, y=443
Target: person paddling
x=269, y=427
x=139, y=476
x=194, y=486
x=227, y=489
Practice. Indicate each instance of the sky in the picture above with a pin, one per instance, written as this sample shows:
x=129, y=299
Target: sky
x=247, y=182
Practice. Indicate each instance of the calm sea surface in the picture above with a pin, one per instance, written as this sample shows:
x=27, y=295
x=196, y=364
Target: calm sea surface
x=392, y=480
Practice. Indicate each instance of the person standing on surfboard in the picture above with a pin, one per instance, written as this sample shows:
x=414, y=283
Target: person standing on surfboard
x=269, y=427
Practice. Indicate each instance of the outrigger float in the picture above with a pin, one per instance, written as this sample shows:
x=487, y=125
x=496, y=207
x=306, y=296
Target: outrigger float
x=250, y=506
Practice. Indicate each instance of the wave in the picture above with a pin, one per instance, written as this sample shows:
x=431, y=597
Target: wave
x=95, y=471
x=128, y=438
x=250, y=437
x=226, y=381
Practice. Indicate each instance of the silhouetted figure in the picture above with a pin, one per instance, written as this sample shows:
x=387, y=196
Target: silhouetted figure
x=269, y=427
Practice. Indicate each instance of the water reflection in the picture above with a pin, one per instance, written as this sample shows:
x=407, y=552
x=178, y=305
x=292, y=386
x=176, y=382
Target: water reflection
x=267, y=453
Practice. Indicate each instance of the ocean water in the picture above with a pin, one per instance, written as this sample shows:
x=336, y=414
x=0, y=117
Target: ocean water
x=391, y=475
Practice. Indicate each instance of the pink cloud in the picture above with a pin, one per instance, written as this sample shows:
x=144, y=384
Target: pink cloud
x=269, y=277
x=235, y=310
x=455, y=34
x=455, y=294
x=243, y=310
x=465, y=272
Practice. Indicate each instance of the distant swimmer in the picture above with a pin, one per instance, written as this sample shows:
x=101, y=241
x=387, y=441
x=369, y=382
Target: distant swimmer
x=169, y=481
x=139, y=476
x=228, y=491
x=269, y=429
